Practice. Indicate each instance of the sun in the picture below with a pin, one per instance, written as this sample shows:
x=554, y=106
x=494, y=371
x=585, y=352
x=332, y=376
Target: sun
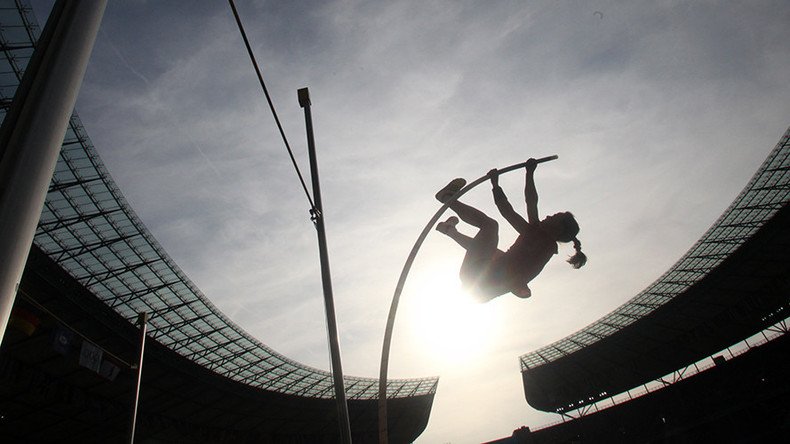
x=449, y=326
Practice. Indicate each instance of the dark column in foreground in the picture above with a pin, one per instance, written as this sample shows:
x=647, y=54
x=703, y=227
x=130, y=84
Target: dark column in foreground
x=33, y=130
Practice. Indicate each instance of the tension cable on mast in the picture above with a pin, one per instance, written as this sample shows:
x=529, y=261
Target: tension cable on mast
x=313, y=210
x=344, y=422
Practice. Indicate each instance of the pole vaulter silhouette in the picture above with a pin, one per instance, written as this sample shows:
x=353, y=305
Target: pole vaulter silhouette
x=488, y=272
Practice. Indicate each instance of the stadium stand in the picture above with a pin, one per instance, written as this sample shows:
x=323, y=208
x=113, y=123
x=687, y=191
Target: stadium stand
x=739, y=400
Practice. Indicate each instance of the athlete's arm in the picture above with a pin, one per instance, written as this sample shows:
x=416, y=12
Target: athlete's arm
x=531, y=193
x=504, y=206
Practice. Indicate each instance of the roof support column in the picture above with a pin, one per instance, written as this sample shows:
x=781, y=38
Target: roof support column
x=33, y=130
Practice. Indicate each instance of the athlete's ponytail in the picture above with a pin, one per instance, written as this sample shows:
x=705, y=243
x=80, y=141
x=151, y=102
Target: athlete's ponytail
x=579, y=259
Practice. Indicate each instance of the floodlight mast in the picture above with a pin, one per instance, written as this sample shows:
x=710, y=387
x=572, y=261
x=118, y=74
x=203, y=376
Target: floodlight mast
x=317, y=213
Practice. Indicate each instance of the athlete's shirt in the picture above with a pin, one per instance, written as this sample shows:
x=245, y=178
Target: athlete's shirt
x=513, y=269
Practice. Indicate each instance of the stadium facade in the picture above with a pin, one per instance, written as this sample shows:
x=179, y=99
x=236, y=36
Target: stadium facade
x=67, y=361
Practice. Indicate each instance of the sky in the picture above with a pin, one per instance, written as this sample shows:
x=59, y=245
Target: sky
x=660, y=112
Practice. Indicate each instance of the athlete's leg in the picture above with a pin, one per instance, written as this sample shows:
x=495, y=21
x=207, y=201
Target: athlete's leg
x=473, y=216
x=480, y=248
x=487, y=236
x=448, y=228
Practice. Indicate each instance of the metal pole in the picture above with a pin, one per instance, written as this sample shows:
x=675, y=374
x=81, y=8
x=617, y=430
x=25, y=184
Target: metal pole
x=329, y=302
x=142, y=320
x=32, y=133
x=385, y=348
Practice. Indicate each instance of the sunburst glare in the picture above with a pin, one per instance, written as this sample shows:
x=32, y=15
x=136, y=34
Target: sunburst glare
x=449, y=326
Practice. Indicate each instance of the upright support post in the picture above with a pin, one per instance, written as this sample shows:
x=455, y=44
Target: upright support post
x=142, y=321
x=32, y=133
x=329, y=302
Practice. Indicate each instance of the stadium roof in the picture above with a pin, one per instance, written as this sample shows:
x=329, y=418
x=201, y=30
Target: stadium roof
x=90, y=231
x=730, y=285
x=66, y=375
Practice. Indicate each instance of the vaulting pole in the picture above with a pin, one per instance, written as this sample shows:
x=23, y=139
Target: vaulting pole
x=385, y=348
x=329, y=302
x=142, y=321
x=33, y=130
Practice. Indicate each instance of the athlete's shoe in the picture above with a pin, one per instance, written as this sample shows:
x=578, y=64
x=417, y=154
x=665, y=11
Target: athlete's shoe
x=446, y=226
x=450, y=189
